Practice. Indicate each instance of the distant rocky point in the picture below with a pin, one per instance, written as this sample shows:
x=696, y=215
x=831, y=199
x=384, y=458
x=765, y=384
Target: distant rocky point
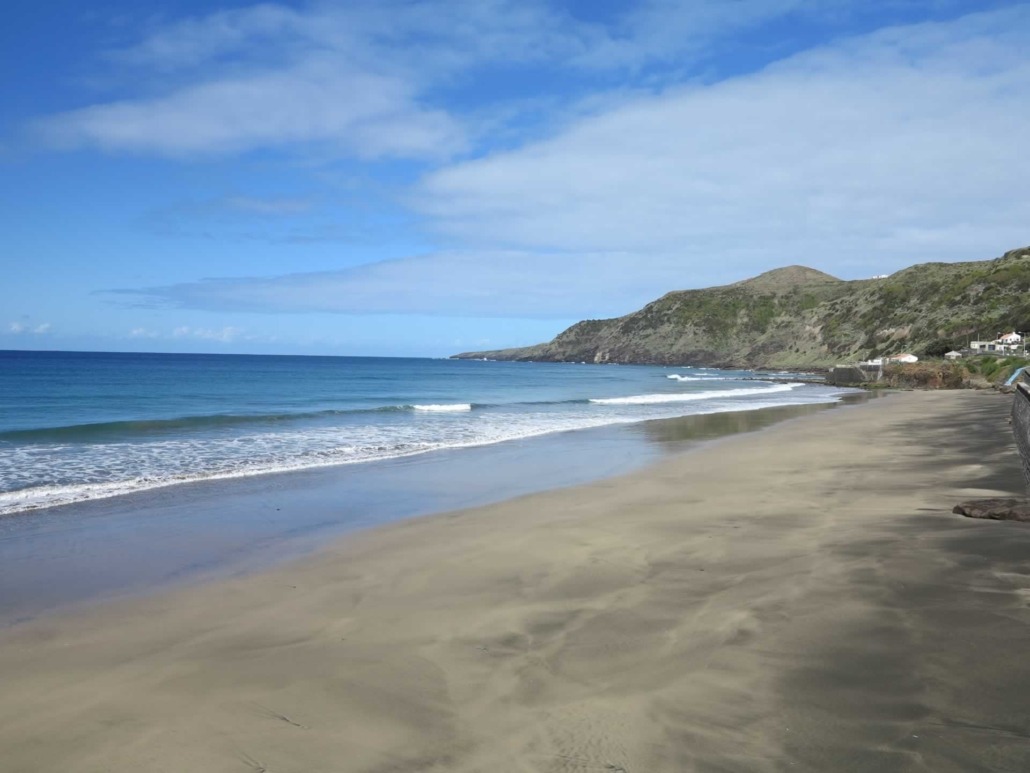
x=797, y=317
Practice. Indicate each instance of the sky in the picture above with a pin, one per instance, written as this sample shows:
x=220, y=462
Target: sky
x=423, y=178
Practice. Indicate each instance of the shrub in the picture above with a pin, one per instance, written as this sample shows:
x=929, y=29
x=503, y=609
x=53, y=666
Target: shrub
x=926, y=375
x=938, y=348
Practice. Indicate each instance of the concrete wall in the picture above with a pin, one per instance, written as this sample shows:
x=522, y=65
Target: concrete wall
x=1021, y=425
x=851, y=375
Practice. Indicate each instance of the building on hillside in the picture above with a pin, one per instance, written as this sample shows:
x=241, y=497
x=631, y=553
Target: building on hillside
x=953, y=355
x=906, y=357
x=1009, y=342
x=879, y=362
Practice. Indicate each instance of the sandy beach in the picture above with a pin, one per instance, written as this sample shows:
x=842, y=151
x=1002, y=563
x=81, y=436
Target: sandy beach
x=800, y=598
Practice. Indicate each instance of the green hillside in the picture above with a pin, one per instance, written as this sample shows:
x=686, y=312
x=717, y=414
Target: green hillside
x=798, y=317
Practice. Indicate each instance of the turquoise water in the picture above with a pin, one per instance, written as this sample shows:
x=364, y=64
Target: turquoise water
x=80, y=426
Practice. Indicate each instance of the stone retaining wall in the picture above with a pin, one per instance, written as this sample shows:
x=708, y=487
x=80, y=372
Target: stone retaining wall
x=1021, y=425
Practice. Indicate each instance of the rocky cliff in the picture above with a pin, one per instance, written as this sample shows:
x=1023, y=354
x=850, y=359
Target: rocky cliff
x=798, y=317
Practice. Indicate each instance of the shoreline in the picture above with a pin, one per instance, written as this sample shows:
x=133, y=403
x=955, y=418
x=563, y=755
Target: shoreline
x=47, y=498
x=152, y=540
x=798, y=597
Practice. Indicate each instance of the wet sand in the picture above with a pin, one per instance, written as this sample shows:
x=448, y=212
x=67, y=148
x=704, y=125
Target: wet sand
x=796, y=599
x=149, y=541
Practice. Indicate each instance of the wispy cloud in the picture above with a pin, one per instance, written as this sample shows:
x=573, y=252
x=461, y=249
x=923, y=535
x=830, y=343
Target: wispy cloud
x=484, y=284
x=318, y=101
x=19, y=328
x=196, y=41
x=639, y=170
x=352, y=77
x=225, y=334
x=902, y=145
x=860, y=157
x=673, y=32
x=371, y=79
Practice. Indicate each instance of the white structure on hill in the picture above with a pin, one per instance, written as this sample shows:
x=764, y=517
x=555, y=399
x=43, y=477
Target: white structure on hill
x=881, y=361
x=1009, y=342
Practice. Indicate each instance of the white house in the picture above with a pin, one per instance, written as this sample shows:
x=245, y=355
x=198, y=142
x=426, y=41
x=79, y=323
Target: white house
x=1010, y=342
x=903, y=358
x=953, y=355
x=880, y=361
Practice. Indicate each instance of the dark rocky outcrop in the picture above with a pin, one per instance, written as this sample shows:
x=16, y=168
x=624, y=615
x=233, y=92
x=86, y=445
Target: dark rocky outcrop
x=995, y=509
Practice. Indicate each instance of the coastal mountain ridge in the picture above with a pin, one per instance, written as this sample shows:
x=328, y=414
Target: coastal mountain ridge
x=799, y=317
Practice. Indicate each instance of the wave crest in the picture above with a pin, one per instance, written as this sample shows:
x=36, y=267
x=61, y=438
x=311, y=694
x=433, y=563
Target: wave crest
x=678, y=377
x=683, y=397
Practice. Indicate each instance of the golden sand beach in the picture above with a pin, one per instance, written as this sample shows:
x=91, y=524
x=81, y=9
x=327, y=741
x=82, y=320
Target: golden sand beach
x=799, y=598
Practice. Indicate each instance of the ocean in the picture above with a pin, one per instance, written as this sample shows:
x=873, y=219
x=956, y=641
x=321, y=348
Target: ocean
x=77, y=426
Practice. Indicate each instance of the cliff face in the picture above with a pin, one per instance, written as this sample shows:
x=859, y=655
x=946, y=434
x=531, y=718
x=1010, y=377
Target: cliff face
x=797, y=317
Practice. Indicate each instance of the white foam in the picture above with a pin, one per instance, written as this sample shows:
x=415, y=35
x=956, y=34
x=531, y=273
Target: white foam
x=47, y=475
x=683, y=397
x=678, y=377
x=446, y=408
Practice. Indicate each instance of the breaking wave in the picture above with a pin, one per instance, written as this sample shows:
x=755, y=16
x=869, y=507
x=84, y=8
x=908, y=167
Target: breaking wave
x=683, y=397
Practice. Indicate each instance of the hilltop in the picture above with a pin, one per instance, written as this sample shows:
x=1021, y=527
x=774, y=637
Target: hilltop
x=784, y=279
x=798, y=317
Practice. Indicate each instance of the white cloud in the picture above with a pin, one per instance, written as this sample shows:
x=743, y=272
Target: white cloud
x=429, y=38
x=225, y=335
x=193, y=42
x=858, y=157
x=19, y=328
x=667, y=29
x=319, y=101
x=908, y=144
x=370, y=78
x=485, y=284
x=347, y=75
x=422, y=38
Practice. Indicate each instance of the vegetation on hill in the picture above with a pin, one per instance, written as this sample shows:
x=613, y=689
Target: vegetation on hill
x=935, y=374
x=974, y=372
x=798, y=317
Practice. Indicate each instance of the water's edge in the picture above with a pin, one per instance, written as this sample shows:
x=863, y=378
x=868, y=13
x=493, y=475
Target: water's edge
x=149, y=541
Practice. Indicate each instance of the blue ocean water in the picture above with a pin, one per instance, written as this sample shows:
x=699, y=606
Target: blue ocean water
x=77, y=426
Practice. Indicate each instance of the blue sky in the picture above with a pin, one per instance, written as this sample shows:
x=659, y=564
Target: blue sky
x=421, y=178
